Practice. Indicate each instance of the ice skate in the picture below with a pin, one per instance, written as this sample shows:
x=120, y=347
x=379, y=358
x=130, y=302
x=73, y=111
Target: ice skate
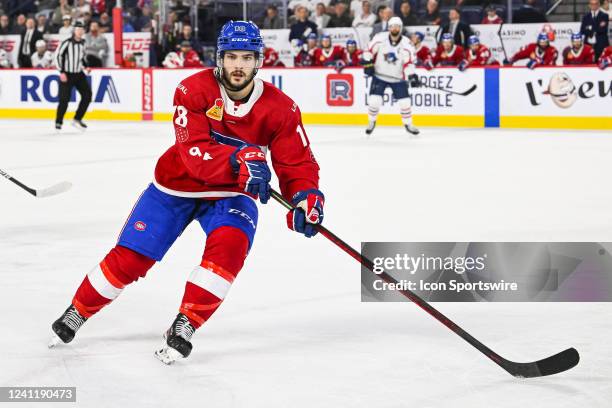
x=412, y=130
x=370, y=128
x=177, y=344
x=66, y=326
x=79, y=125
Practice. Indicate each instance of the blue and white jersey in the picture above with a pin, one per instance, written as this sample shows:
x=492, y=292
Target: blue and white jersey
x=392, y=62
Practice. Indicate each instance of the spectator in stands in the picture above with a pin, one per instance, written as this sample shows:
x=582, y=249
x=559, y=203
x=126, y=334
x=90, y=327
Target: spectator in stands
x=187, y=35
x=385, y=14
x=96, y=46
x=42, y=58
x=20, y=25
x=355, y=8
x=594, y=26
x=492, y=17
x=46, y=5
x=407, y=16
x=432, y=13
x=5, y=25
x=320, y=17
x=82, y=8
x=64, y=9
x=459, y=30
x=66, y=29
x=272, y=20
x=41, y=24
x=528, y=13
x=366, y=18
x=28, y=44
x=341, y=16
x=105, y=23
x=86, y=20
x=98, y=7
x=143, y=19
x=605, y=7
x=302, y=26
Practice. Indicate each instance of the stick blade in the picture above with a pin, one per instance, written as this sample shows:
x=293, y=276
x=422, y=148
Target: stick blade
x=558, y=363
x=469, y=91
x=54, y=190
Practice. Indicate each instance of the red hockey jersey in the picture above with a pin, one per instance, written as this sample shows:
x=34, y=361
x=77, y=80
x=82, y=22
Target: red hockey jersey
x=533, y=52
x=423, y=54
x=606, y=55
x=352, y=60
x=190, y=59
x=448, y=59
x=303, y=59
x=209, y=126
x=585, y=55
x=323, y=57
x=271, y=58
x=481, y=57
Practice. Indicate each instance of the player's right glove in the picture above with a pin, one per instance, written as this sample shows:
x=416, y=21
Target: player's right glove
x=307, y=213
x=254, y=175
x=605, y=63
x=414, y=81
x=463, y=65
x=532, y=63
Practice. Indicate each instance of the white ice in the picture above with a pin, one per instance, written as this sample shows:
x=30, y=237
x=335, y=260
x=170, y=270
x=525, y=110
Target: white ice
x=293, y=332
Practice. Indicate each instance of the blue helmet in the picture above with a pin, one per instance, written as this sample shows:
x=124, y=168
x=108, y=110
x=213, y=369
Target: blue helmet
x=419, y=35
x=312, y=36
x=325, y=37
x=239, y=36
x=543, y=37
x=473, y=40
x=577, y=37
x=447, y=37
x=351, y=42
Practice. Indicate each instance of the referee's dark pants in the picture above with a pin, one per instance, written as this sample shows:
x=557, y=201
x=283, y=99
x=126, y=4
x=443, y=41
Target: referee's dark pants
x=78, y=80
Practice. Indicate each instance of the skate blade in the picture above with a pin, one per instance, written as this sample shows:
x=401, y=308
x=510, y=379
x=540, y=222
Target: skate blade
x=77, y=126
x=54, y=341
x=168, y=355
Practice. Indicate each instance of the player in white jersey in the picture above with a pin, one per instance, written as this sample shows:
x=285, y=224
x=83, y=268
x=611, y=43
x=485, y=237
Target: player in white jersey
x=390, y=61
x=42, y=58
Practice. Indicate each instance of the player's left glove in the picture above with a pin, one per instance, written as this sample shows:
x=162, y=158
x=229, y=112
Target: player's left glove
x=604, y=63
x=414, y=81
x=463, y=65
x=254, y=175
x=307, y=213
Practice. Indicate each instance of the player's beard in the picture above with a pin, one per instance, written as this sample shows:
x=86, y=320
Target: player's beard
x=227, y=83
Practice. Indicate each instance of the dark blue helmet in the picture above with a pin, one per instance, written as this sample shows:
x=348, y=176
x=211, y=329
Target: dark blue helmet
x=447, y=37
x=419, y=35
x=543, y=37
x=351, y=42
x=473, y=40
x=312, y=36
x=577, y=37
x=239, y=36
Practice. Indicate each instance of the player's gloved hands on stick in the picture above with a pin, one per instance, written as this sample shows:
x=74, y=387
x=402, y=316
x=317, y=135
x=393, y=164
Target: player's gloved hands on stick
x=307, y=213
x=414, y=81
x=507, y=62
x=254, y=175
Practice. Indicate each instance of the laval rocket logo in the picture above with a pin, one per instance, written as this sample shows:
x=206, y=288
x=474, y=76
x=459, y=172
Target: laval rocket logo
x=564, y=92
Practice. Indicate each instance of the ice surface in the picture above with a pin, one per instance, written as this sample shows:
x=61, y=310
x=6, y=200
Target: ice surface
x=293, y=332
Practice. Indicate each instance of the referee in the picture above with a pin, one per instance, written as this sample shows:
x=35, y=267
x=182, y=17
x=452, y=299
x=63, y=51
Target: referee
x=70, y=60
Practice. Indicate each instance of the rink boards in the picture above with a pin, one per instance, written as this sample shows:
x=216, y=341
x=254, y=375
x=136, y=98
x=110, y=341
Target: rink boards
x=554, y=97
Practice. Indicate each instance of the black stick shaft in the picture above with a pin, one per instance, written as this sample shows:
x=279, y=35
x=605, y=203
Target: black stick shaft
x=20, y=184
x=423, y=304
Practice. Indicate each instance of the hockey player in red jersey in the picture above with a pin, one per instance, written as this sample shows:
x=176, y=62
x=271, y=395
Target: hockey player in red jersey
x=352, y=54
x=271, y=58
x=423, y=53
x=578, y=53
x=448, y=54
x=327, y=54
x=477, y=55
x=189, y=57
x=605, y=59
x=301, y=57
x=537, y=53
x=224, y=122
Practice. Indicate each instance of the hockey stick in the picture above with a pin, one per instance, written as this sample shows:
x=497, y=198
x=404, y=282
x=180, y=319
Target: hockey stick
x=45, y=192
x=501, y=40
x=552, y=365
x=464, y=93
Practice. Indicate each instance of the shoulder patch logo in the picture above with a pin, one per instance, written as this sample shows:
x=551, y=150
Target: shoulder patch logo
x=216, y=112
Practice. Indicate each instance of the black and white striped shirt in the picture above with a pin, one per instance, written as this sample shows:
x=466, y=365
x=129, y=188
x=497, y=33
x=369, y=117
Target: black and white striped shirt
x=70, y=56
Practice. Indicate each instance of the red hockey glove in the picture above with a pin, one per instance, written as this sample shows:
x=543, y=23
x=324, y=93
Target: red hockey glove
x=253, y=172
x=307, y=213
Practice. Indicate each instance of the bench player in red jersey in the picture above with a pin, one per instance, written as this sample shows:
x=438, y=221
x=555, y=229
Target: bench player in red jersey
x=605, y=59
x=225, y=121
x=327, y=54
x=423, y=53
x=477, y=55
x=537, y=53
x=578, y=53
x=448, y=54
